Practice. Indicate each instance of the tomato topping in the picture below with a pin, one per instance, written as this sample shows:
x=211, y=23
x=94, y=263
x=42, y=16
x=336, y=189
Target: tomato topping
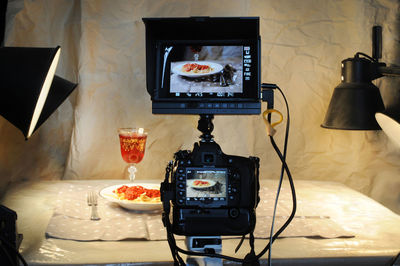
x=134, y=192
x=200, y=183
x=193, y=66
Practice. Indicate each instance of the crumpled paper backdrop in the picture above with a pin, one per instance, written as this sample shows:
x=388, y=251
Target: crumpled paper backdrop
x=103, y=49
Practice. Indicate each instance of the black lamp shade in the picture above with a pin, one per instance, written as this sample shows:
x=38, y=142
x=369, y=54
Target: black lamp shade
x=356, y=100
x=29, y=90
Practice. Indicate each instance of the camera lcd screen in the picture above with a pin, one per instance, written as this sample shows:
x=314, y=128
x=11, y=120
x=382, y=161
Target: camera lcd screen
x=203, y=185
x=193, y=71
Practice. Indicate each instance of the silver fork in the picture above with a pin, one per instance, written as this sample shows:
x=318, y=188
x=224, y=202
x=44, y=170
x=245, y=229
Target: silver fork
x=92, y=202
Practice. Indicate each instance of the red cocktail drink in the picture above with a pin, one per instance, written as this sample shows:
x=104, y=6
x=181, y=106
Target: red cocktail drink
x=133, y=145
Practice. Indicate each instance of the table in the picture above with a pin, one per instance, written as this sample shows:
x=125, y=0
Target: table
x=376, y=230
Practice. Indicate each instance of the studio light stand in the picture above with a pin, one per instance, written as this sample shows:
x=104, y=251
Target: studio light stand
x=206, y=126
x=204, y=244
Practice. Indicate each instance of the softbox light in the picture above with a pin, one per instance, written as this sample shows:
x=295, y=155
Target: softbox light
x=30, y=92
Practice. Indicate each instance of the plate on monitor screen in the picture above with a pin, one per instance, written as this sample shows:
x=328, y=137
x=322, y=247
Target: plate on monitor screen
x=201, y=183
x=204, y=68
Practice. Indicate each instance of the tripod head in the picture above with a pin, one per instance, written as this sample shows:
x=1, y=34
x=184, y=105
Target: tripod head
x=206, y=126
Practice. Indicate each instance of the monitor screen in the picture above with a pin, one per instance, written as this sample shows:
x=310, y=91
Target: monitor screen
x=205, y=185
x=223, y=71
x=206, y=71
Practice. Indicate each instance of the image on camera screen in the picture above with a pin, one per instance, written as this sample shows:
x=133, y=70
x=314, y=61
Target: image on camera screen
x=202, y=70
x=202, y=184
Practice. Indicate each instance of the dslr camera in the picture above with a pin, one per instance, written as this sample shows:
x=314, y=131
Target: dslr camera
x=213, y=193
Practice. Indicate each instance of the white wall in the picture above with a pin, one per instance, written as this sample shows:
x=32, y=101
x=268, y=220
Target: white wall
x=303, y=43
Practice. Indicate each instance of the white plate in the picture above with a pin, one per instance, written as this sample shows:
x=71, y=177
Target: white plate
x=215, y=66
x=109, y=195
x=211, y=183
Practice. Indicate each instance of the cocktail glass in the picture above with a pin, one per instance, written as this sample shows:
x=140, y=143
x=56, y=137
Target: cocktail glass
x=133, y=144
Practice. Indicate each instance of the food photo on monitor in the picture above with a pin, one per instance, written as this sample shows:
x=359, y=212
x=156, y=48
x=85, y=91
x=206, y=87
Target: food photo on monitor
x=195, y=70
x=206, y=184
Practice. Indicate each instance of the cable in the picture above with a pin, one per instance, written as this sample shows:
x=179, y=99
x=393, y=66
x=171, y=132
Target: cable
x=271, y=132
x=367, y=56
x=293, y=198
x=7, y=255
x=9, y=246
x=284, y=168
x=165, y=218
x=280, y=178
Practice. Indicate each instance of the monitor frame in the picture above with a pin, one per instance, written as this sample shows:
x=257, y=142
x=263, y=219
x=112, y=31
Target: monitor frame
x=210, y=32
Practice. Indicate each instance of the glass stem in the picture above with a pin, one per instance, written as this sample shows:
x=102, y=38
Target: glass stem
x=132, y=170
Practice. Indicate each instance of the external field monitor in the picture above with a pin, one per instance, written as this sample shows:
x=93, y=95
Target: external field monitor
x=203, y=65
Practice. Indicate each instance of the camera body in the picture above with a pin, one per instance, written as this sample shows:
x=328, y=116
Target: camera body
x=213, y=193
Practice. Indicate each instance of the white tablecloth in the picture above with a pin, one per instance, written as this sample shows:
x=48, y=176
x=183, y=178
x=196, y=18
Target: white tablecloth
x=71, y=219
x=375, y=228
